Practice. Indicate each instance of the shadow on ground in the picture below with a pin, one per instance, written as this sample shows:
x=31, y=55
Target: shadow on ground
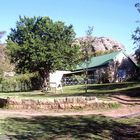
x=3, y=102
x=78, y=127
x=129, y=92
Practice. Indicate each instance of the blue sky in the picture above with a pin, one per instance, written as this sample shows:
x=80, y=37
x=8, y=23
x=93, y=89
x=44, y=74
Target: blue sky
x=115, y=19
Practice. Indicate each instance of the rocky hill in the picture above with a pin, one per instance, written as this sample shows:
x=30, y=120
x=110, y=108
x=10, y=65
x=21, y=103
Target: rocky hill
x=2, y=53
x=102, y=44
x=4, y=61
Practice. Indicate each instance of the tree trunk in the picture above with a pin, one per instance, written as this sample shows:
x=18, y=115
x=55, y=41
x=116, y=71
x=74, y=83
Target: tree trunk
x=45, y=76
x=115, y=70
x=86, y=80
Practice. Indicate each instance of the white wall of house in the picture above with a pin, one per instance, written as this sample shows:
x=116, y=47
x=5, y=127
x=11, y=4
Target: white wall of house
x=56, y=77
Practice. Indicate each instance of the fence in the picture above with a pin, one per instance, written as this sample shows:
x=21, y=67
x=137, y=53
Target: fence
x=76, y=81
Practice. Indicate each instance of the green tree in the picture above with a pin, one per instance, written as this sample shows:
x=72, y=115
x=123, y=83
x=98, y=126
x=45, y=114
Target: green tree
x=41, y=45
x=136, y=36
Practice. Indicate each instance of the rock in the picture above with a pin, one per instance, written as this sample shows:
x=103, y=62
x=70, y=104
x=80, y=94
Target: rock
x=63, y=103
x=102, y=44
x=5, y=64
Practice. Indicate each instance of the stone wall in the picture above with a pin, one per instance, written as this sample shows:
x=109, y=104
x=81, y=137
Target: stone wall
x=64, y=103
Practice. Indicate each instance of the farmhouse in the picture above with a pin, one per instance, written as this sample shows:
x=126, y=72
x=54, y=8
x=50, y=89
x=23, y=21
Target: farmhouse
x=112, y=67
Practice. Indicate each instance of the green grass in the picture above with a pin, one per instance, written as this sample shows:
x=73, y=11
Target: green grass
x=99, y=90
x=94, y=127
x=70, y=128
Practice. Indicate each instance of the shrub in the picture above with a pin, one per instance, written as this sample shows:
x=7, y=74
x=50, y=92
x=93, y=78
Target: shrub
x=20, y=82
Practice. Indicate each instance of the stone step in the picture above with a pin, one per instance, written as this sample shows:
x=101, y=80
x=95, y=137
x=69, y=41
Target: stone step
x=127, y=101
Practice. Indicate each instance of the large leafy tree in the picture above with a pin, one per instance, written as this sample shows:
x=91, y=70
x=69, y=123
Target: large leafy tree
x=41, y=45
x=136, y=36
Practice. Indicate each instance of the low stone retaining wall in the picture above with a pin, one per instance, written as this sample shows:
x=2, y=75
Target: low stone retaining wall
x=57, y=103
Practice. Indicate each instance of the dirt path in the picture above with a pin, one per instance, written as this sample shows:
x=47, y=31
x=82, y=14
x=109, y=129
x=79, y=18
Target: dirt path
x=125, y=111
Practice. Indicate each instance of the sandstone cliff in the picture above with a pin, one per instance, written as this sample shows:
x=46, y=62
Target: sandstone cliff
x=102, y=44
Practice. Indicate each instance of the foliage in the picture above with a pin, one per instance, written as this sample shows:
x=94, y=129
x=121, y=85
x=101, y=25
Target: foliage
x=1, y=78
x=86, y=45
x=136, y=36
x=20, y=82
x=40, y=45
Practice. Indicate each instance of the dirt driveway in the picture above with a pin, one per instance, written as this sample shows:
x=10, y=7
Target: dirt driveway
x=124, y=111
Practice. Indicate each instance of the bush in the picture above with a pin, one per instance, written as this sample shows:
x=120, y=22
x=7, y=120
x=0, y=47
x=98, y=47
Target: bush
x=1, y=78
x=20, y=82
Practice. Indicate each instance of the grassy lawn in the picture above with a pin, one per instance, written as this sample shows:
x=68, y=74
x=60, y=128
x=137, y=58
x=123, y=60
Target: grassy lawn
x=70, y=128
x=94, y=127
x=99, y=90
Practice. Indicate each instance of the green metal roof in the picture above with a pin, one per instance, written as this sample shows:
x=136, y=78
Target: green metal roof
x=98, y=61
